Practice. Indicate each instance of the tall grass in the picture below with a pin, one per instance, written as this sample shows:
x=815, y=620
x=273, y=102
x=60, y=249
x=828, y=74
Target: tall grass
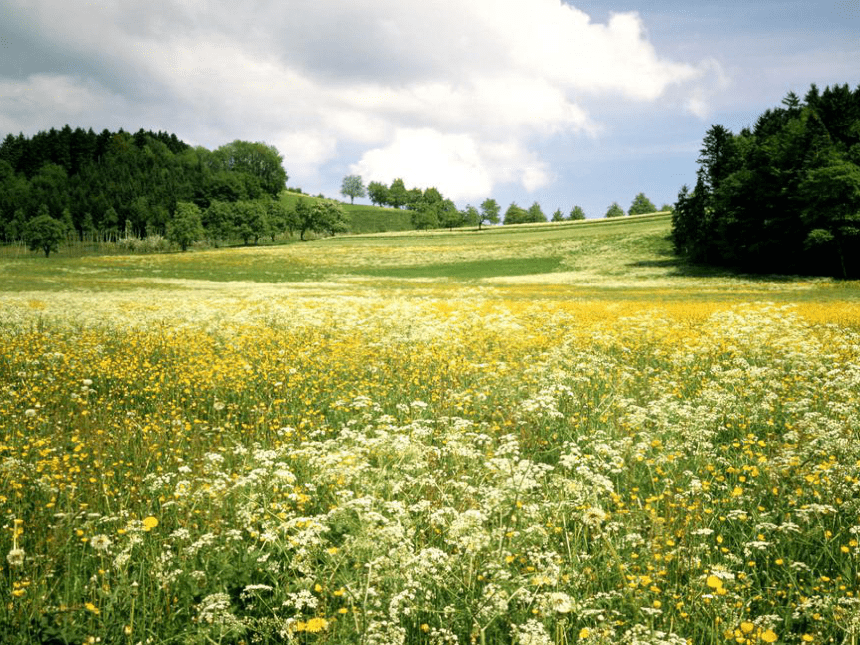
x=460, y=461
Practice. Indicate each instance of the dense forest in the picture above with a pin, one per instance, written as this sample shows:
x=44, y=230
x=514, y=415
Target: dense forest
x=782, y=197
x=100, y=186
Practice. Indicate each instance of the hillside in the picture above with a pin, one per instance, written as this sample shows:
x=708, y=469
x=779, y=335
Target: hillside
x=360, y=217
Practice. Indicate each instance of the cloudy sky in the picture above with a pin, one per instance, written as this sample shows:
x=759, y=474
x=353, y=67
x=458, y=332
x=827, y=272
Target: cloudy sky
x=576, y=102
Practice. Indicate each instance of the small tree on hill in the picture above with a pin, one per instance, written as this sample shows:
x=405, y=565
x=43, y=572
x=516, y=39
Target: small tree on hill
x=642, y=205
x=615, y=211
x=397, y=194
x=558, y=216
x=378, y=193
x=490, y=210
x=576, y=213
x=352, y=187
x=44, y=233
x=536, y=214
x=516, y=214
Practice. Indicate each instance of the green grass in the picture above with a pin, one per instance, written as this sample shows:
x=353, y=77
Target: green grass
x=362, y=218
x=551, y=433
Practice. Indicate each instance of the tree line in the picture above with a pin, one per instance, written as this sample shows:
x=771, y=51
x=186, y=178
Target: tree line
x=430, y=209
x=113, y=184
x=782, y=196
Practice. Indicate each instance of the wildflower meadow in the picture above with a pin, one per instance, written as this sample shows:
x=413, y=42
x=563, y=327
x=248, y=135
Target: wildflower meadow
x=565, y=457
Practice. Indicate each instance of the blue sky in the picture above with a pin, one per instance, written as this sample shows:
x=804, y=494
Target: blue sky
x=576, y=103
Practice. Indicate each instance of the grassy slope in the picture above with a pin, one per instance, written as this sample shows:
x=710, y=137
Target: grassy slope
x=609, y=259
x=363, y=218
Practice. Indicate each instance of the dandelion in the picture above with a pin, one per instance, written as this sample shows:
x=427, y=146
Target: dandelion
x=593, y=517
x=15, y=557
x=150, y=523
x=316, y=625
x=769, y=636
x=714, y=582
x=101, y=542
x=584, y=633
x=561, y=603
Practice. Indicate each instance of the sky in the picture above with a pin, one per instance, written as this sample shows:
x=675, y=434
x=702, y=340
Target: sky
x=564, y=103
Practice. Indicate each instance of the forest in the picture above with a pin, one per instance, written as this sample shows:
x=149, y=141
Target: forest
x=101, y=186
x=782, y=197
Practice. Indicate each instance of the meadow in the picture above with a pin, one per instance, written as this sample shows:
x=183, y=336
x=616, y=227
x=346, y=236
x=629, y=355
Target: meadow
x=533, y=435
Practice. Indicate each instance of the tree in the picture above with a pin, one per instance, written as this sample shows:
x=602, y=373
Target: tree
x=490, y=211
x=449, y=216
x=322, y=216
x=44, y=233
x=186, y=227
x=576, y=213
x=614, y=211
x=516, y=215
x=397, y=195
x=782, y=197
x=641, y=205
x=832, y=213
x=378, y=193
x=558, y=216
x=352, y=187
x=471, y=216
x=251, y=220
x=535, y=214
x=329, y=217
x=219, y=221
x=258, y=160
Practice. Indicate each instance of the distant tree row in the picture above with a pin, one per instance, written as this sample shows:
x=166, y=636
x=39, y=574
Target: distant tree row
x=782, y=197
x=102, y=186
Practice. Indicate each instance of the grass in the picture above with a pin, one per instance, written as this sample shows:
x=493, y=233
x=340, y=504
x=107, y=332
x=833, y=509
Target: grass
x=538, y=434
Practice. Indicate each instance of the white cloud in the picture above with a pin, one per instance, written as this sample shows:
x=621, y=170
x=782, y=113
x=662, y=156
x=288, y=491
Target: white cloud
x=457, y=164
x=452, y=93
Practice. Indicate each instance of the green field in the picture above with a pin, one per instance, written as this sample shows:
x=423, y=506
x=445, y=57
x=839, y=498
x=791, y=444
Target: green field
x=531, y=435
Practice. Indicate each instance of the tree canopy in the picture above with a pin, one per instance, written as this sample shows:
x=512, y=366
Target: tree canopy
x=352, y=187
x=116, y=184
x=614, y=210
x=641, y=205
x=782, y=197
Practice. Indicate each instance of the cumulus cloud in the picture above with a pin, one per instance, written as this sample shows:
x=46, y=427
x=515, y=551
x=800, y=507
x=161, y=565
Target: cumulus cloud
x=451, y=93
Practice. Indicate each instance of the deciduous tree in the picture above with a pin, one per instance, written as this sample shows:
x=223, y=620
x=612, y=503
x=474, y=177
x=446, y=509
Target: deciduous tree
x=44, y=233
x=490, y=211
x=352, y=187
x=186, y=227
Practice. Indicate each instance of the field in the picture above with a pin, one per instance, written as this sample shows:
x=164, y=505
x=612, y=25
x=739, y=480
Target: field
x=545, y=434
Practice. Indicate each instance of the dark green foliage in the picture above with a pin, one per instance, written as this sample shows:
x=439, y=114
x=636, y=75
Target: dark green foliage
x=186, y=227
x=614, y=210
x=576, y=213
x=111, y=184
x=641, y=205
x=378, y=193
x=43, y=233
x=558, y=216
x=516, y=215
x=783, y=197
x=536, y=214
x=397, y=195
